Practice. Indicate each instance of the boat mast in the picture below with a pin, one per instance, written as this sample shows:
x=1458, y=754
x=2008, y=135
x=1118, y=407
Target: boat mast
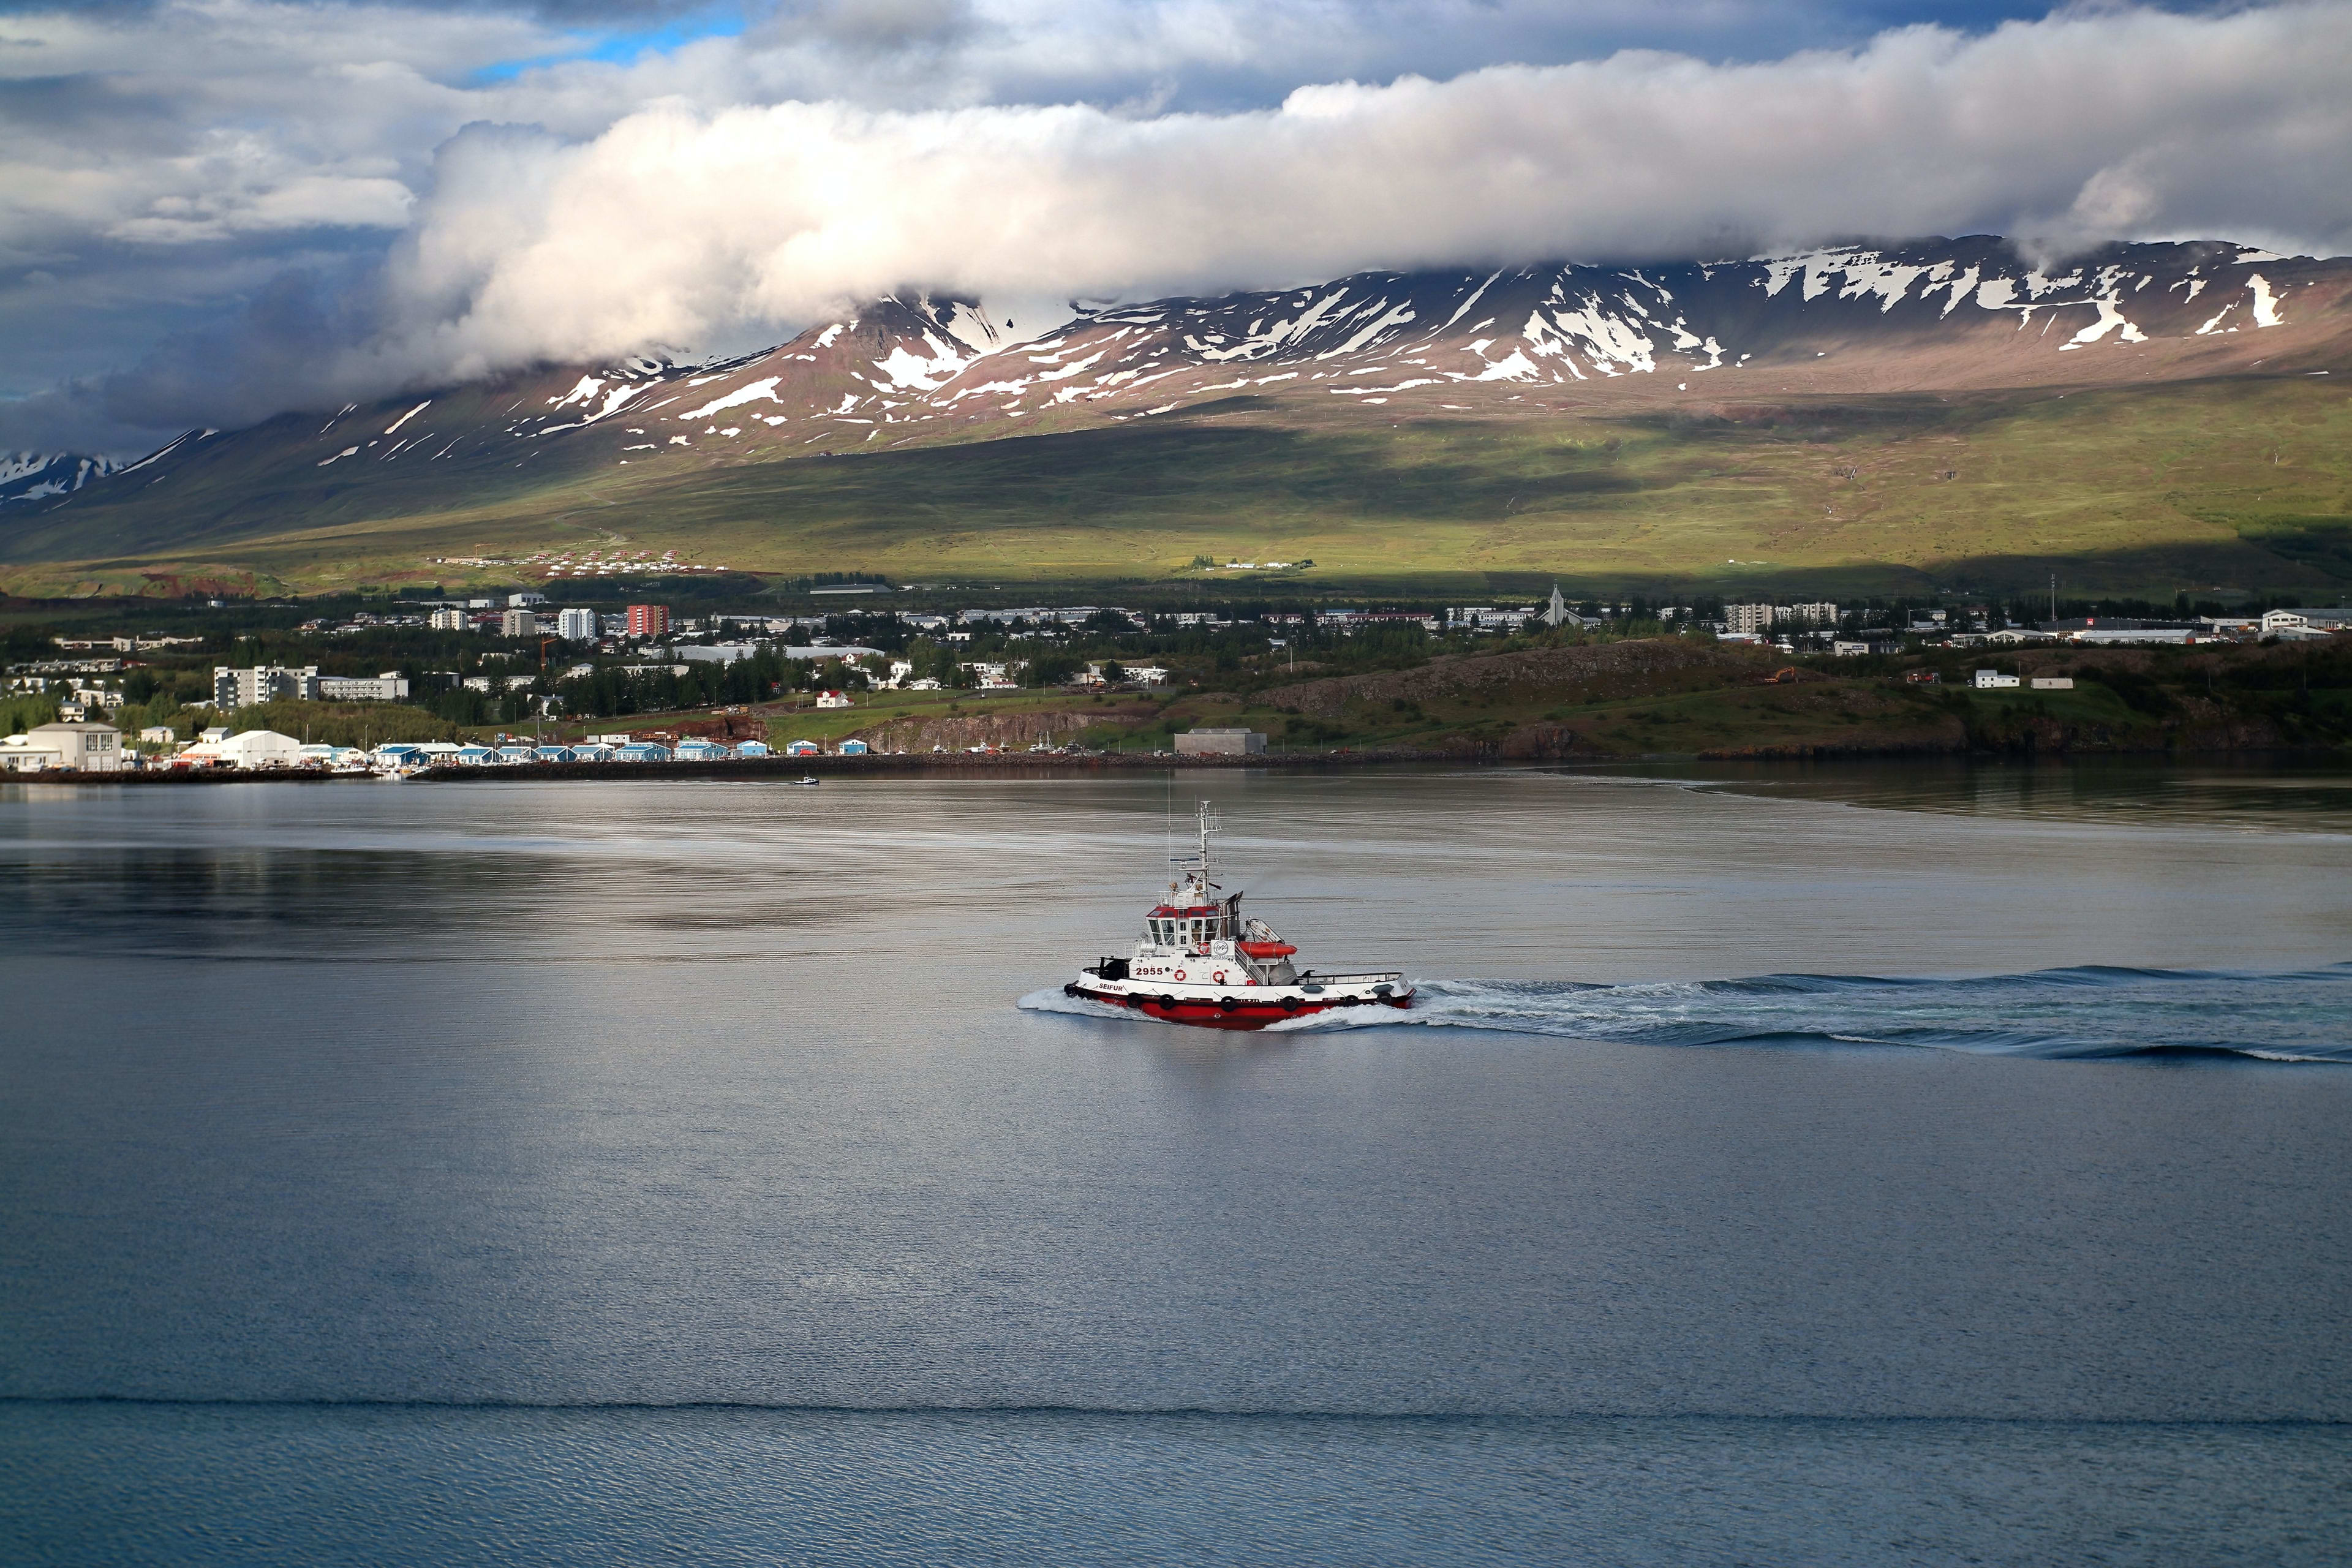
x=1199, y=865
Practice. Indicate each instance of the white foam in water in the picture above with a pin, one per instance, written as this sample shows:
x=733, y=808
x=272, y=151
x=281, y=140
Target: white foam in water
x=2054, y=1013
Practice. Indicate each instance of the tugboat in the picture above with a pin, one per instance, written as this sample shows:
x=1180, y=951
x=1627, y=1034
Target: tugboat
x=1200, y=963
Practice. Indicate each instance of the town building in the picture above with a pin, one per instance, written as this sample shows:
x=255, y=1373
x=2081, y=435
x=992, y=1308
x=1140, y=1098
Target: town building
x=389, y=687
x=447, y=618
x=854, y=748
x=24, y=754
x=576, y=626
x=1231, y=742
x=833, y=699
x=524, y=600
x=1747, y=618
x=518, y=622
x=649, y=620
x=89, y=747
x=263, y=683
x=1994, y=681
x=2276, y=622
x=2052, y=683
x=252, y=749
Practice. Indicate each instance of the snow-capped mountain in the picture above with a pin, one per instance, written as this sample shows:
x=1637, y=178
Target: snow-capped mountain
x=1933, y=315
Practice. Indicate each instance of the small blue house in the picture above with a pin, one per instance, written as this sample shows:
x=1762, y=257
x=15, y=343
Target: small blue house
x=854, y=747
x=642, y=752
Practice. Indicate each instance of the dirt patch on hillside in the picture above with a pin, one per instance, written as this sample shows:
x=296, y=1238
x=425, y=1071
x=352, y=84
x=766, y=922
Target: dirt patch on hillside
x=1013, y=731
x=1642, y=667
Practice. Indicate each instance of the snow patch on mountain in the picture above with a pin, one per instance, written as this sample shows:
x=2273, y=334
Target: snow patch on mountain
x=34, y=476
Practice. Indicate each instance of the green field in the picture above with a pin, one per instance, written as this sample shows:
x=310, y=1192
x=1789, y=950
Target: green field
x=2240, y=485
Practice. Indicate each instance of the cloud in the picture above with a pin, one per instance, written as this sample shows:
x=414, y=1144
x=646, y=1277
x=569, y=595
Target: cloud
x=737, y=185
x=679, y=224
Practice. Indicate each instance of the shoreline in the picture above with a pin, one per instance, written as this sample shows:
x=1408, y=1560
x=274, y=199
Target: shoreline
x=1027, y=763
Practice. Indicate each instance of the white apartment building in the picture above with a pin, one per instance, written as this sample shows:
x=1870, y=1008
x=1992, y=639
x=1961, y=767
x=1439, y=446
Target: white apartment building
x=263, y=683
x=576, y=626
x=447, y=618
x=1747, y=617
x=389, y=687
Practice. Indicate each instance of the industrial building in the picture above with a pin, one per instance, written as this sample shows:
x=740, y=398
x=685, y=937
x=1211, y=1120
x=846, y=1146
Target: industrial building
x=1230, y=743
x=88, y=747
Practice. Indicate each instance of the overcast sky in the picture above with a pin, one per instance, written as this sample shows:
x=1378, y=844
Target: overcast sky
x=213, y=210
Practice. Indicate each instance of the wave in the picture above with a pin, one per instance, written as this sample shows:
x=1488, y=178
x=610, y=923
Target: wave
x=2086, y=1012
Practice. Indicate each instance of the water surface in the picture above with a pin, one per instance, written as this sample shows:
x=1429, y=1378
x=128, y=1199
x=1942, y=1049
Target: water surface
x=651, y=1170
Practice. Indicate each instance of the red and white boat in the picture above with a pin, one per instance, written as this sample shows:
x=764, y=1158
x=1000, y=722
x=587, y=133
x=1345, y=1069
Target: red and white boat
x=1200, y=963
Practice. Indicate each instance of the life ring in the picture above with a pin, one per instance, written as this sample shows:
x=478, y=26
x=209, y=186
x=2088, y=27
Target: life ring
x=1219, y=977
x=1179, y=974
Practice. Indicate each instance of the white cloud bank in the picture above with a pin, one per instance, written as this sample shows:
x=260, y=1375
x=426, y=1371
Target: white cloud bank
x=679, y=225
x=611, y=224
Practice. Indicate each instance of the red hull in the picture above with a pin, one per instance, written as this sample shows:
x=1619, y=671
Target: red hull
x=1216, y=1015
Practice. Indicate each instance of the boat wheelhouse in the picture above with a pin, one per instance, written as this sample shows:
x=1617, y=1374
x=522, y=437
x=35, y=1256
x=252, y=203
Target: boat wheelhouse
x=1202, y=961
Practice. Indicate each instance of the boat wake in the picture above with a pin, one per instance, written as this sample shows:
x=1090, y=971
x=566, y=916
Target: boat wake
x=2055, y=1014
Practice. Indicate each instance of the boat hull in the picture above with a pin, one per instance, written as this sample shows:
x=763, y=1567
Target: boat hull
x=1231, y=1007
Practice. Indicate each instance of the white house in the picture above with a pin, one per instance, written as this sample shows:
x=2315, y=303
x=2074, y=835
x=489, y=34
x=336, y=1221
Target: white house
x=833, y=699
x=1994, y=681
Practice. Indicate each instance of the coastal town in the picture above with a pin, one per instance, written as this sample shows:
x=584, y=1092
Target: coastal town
x=714, y=685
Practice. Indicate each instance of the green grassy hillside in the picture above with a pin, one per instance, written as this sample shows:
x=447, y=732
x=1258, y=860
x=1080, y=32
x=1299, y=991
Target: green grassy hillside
x=2239, y=484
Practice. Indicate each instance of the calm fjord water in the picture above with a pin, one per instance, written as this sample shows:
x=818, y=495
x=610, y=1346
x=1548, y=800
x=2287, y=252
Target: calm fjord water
x=667, y=1171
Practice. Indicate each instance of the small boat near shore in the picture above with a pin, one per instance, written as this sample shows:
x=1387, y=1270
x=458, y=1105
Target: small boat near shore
x=1201, y=961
